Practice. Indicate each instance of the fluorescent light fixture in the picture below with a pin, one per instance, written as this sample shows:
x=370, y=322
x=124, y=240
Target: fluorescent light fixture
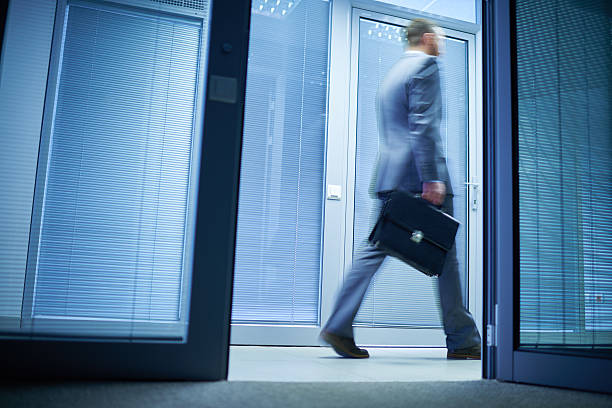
x=275, y=8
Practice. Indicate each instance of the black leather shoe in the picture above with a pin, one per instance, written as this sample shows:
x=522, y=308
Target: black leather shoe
x=344, y=346
x=470, y=353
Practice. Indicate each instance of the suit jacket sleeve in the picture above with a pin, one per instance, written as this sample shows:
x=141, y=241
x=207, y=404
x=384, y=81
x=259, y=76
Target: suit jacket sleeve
x=424, y=107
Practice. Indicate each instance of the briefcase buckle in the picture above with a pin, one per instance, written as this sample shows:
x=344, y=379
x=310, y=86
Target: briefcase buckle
x=417, y=236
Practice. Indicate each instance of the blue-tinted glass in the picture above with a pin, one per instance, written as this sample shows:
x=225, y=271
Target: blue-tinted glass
x=110, y=233
x=565, y=173
x=464, y=10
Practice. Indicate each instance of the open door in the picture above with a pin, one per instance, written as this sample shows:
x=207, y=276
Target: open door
x=549, y=194
x=121, y=126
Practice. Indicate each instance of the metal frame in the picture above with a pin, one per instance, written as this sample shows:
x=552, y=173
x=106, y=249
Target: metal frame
x=476, y=152
x=506, y=361
x=499, y=204
x=204, y=354
x=335, y=229
x=3, y=13
x=489, y=321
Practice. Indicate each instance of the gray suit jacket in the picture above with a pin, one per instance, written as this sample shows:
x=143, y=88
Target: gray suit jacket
x=409, y=109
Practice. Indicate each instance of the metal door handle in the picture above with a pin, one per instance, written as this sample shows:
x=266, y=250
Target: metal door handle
x=474, y=198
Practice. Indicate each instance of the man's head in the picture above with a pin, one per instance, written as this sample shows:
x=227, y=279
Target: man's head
x=423, y=35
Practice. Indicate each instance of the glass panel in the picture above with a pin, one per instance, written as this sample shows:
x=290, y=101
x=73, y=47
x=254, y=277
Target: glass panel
x=399, y=295
x=109, y=252
x=278, y=248
x=464, y=10
x=565, y=173
x=24, y=65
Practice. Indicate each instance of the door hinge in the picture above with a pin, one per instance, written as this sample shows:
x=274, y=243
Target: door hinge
x=491, y=340
x=492, y=329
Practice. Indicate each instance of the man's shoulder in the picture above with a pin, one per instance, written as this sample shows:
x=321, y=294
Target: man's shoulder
x=428, y=67
x=411, y=65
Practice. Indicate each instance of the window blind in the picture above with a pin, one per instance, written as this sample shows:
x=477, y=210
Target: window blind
x=399, y=295
x=114, y=193
x=565, y=173
x=278, y=244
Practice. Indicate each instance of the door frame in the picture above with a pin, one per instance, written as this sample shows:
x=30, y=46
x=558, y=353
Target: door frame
x=337, y=158
x=505, y=360
x=204, y=353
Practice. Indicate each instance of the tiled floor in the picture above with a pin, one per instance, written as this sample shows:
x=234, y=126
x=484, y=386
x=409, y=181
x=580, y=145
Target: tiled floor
x=295, y=364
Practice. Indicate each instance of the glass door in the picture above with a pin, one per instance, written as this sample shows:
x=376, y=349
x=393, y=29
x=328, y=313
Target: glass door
x=401, y=306
x=110, y=268
x=553, y=189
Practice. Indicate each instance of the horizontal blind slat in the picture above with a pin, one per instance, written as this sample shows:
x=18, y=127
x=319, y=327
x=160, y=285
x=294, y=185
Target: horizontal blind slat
x=278, y=244
x=115, y=204
x=565, y=175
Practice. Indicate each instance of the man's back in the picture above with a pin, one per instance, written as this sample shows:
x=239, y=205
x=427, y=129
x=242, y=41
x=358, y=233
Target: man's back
x=409, y=114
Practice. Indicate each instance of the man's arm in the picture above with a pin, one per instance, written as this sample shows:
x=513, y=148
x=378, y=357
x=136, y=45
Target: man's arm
x=424, y=101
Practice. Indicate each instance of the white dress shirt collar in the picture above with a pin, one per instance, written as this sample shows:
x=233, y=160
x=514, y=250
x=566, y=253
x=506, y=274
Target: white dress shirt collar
x=414, y=53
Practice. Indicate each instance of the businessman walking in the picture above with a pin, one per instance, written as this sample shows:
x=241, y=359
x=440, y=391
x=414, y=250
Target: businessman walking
x=410, y=160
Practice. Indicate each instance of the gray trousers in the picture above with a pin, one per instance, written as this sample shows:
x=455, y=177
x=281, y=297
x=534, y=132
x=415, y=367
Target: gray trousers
x=459, y=326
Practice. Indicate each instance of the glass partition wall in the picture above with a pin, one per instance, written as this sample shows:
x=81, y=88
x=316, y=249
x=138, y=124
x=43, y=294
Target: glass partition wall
x=280, y=216
x=106, y=156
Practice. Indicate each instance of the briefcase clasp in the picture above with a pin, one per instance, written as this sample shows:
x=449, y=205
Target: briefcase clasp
x=417, y=236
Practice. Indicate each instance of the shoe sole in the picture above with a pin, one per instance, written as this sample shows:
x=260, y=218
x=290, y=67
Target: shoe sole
x=339, y=349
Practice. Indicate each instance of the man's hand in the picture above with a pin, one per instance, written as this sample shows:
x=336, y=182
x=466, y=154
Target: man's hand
x=434, y=192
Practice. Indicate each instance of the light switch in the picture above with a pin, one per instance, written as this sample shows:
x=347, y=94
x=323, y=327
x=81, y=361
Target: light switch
x=334, y=192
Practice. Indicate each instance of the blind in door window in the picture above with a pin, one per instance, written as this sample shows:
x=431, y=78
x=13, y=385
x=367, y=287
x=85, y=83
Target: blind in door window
x=111, y=222
x=399, y=296
x=565, y=173
x=278, y=247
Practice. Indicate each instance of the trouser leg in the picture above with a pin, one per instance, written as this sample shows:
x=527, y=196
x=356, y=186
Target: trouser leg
x=459, y=325
x=365, y=265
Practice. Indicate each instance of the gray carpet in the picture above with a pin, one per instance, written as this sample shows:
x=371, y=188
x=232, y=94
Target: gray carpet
x=274, y=394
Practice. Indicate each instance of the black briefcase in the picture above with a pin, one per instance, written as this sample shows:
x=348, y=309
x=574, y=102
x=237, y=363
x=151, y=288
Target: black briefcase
x=413, y=230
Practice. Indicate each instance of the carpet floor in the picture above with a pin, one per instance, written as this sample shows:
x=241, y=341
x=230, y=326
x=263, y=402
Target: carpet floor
x=231, y=394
